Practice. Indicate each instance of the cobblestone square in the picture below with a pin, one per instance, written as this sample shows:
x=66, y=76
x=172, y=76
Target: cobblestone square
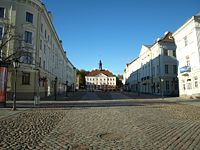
x=152, y=126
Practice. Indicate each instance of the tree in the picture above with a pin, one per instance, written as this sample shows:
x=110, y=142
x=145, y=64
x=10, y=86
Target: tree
x=119, y=79
x=82, y=73
x=11, y=50
x=12, y=45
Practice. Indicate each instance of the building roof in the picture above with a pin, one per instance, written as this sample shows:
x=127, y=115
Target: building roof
x=198, y=14
x=97, y=71
x=167, y=37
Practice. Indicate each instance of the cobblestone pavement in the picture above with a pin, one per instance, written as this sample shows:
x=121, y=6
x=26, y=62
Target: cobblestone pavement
x=149, y=127
x=117, y=95
x=90, y=96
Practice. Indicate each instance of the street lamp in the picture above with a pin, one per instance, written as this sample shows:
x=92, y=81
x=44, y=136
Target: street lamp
x=138, y=88
x=66, y=88
x=15, y=65
x=162, y=80
x=55, y=87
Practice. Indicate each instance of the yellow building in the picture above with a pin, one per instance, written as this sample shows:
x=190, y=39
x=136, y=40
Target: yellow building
x=44, y=67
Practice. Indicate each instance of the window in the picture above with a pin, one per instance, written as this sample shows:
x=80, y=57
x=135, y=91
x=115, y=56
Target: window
x=1, y=33
x=166, y=69
x=2, y=12
x=29, y=17
x=28, y=37
x=41, y=28
x=40, y=44
x=165, y=51
x=167, y=85
x=185, y=41
x=43, y=64
x=27, y=59
x=25, y=78
x=174, y=69
x=40, y=61
x=174, y=53
x=187, y=61
x=44, y=48
x=183, y=84
x=196, y=82
x=189, y=86
x=45, y=34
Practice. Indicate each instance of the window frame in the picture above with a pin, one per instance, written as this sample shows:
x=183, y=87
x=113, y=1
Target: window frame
x=28, y=37
x=4, y=12
x=29, y=17
x=185, y=41
x=166, y=69
x=26, y=76
x=196, y=85
x=165, y=52
x=174, y=53
x=175, y=69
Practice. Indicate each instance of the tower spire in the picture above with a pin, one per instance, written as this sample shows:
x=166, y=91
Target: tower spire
x=100, y=65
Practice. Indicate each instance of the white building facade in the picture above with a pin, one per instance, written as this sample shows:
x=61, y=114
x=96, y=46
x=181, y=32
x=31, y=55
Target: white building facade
x=155, y=69
x=44, y=69
x=187, y=39
x=100, y=79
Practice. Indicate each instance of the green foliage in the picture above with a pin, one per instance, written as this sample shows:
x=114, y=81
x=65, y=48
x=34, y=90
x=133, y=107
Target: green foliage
x=119, y=79
x=82, y=73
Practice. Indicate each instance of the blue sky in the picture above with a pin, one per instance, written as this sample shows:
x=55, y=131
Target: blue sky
x=114, y=30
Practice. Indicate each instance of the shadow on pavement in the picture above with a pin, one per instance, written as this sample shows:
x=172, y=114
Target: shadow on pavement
x=99, y=95
x=94, y=99
x=89, y=104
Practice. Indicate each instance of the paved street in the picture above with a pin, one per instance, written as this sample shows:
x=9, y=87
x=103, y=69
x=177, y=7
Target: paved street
x=150, y=125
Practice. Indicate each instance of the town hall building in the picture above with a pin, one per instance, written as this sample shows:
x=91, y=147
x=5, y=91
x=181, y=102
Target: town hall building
x=100, y=79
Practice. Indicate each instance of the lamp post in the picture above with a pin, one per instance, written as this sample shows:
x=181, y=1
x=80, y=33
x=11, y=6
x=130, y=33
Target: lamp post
x=138, y=88
x=55, y=87
x=15, y=65
x=66, y=88
x=162, y=80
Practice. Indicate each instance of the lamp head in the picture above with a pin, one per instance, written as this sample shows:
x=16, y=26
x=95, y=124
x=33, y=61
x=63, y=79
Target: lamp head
x=16, y=63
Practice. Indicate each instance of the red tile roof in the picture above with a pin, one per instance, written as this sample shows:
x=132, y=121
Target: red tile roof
x=96, y=72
